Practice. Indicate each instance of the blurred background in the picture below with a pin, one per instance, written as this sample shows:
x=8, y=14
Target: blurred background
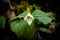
x=11, y=8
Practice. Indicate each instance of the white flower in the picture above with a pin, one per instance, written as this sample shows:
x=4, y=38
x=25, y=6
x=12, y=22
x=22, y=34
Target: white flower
x=29, y=18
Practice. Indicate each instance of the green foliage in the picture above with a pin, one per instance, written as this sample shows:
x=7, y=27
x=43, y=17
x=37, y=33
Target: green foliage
x=42, y=16
x=36, y=6
x=43, y=29
x=2, y=21
x=25, y=31
x=21, y=15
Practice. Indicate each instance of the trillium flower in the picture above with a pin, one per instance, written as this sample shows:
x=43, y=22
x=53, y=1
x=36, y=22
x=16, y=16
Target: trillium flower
x=29, y=18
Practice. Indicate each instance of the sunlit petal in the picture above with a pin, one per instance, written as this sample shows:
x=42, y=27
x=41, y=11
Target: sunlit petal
x=29, y=18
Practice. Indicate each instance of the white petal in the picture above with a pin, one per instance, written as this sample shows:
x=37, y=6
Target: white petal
x=29, y=18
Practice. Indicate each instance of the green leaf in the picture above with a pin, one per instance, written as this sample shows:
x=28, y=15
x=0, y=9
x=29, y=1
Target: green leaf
x=18, y=25
x=21, y=15
x=23, y=30
x=44, y=29
x=2, y=21
x=36, y=6
x=41, y=16
x=49, y=14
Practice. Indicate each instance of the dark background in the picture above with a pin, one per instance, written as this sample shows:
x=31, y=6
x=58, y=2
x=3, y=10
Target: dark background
x=47, y=5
